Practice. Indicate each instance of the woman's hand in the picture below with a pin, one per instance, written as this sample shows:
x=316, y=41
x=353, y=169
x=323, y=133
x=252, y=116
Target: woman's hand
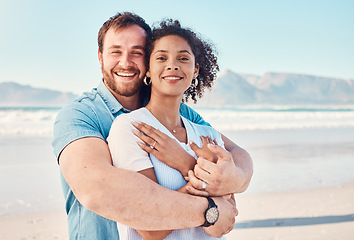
x=164, y=148
x=204, y=151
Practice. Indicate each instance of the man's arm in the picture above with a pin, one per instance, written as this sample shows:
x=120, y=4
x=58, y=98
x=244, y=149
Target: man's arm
x=156, y=235
x=243, y=163
x=125, y=196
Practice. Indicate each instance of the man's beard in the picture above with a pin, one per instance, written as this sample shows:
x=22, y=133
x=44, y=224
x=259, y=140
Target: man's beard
x=126, y=92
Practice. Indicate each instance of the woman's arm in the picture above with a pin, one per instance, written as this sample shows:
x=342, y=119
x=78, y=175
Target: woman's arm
x=166, y=149
x=231, y=173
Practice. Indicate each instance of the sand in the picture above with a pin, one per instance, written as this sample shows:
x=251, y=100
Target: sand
x=321, y=213
x=302, y=188
x=38, y=226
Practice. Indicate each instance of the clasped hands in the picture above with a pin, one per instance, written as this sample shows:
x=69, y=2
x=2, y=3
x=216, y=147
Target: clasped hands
x=214, y=166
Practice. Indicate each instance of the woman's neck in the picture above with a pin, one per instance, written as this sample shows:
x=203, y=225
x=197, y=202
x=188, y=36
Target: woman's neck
x=166, y=110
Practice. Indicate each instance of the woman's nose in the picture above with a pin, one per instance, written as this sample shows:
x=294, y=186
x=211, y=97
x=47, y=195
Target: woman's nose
x=172, y=66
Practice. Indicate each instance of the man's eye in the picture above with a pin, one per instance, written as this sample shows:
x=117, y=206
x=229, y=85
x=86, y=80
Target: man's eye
x=138, y=53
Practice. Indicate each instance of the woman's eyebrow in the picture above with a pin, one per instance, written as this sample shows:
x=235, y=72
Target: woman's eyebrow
x=184, y=51
x=181, y=51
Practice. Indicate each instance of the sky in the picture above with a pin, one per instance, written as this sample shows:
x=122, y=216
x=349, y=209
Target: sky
x=53, y=44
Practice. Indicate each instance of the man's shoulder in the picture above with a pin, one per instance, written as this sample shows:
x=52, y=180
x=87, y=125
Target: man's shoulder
x=86, y=102
x=204, y=130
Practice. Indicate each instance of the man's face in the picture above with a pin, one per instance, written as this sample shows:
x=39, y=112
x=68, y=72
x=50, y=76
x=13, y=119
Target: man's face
x=123, y=60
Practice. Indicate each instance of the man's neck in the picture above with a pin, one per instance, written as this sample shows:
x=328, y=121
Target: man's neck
x=131, y=103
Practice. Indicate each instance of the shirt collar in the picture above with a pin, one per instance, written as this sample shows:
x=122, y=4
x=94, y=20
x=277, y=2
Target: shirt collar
x=111, y=102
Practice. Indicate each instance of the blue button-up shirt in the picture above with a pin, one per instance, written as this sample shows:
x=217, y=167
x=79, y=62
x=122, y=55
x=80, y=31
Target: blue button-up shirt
x=91, y=115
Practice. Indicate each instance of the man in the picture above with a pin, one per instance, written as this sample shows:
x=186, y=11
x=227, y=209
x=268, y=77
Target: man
x=97, y=194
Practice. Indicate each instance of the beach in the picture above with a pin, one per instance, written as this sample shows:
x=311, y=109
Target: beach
x=323, y=213
x=302, y=188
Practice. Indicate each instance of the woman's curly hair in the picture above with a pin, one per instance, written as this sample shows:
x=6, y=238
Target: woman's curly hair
x=204, y=52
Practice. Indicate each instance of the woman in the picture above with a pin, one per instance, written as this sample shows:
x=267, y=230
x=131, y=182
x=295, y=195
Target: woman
x=178, y=57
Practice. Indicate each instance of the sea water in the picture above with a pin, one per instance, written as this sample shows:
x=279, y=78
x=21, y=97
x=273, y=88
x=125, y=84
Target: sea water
x=292, y=148
x=37, y=121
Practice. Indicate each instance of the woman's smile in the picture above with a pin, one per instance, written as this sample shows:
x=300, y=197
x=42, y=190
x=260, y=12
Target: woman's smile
x=172, y=78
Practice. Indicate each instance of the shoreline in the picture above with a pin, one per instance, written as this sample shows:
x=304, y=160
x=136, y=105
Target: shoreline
x=319, y=213
x=324, y=213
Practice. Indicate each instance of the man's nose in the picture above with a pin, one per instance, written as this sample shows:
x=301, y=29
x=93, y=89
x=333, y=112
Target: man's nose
x=125, y=60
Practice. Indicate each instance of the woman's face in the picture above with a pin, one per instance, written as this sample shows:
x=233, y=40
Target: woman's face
x=172, y=66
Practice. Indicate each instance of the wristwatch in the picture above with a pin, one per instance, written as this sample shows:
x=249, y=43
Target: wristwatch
x=211, y=214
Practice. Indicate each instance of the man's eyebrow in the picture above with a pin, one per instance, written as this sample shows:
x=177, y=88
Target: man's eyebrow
x=134, y=47
x=138, y=47
x=115, y=46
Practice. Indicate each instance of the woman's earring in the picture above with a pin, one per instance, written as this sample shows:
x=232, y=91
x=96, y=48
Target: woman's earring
x=195, y=82
x=147, y=81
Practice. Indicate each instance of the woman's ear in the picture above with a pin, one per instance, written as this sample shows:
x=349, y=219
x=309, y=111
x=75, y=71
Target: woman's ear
x=196, y=70
x=147, y=74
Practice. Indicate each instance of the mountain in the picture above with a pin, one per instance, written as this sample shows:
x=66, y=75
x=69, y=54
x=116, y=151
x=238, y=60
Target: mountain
x=232, y=89
x=14, y=94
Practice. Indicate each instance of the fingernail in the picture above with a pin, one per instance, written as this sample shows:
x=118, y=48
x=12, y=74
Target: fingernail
x=136, y=132
x=212, y=145
x=190, y=142
x=135, y=124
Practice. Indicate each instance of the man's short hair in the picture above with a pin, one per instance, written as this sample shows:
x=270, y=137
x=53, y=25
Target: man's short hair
x=120, y=20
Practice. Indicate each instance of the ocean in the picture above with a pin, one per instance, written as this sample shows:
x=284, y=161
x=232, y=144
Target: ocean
x=38, y=121
x=291, y=147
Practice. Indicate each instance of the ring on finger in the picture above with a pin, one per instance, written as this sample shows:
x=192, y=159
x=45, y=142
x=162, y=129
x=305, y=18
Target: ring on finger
x=203, y=186
x=153, y=145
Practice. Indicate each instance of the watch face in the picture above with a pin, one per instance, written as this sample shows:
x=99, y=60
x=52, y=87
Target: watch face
x=212, y=215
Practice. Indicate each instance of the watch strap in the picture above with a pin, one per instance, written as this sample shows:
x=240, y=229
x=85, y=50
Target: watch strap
x=211, y=204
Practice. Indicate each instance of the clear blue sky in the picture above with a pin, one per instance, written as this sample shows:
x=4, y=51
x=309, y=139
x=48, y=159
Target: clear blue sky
x=52, y=44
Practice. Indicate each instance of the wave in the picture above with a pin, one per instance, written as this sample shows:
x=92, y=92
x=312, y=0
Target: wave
x=39, y=121
x=269, y=119
x=27, y=121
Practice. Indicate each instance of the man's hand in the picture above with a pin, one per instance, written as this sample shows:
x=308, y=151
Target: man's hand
x=220, y=177
x=227, y=213
x=164, y=148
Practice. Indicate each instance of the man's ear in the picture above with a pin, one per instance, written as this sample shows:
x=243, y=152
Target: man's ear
x=100, y=57
x=196, y=71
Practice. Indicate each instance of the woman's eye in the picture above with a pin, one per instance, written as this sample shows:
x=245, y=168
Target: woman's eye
x=161, y=58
